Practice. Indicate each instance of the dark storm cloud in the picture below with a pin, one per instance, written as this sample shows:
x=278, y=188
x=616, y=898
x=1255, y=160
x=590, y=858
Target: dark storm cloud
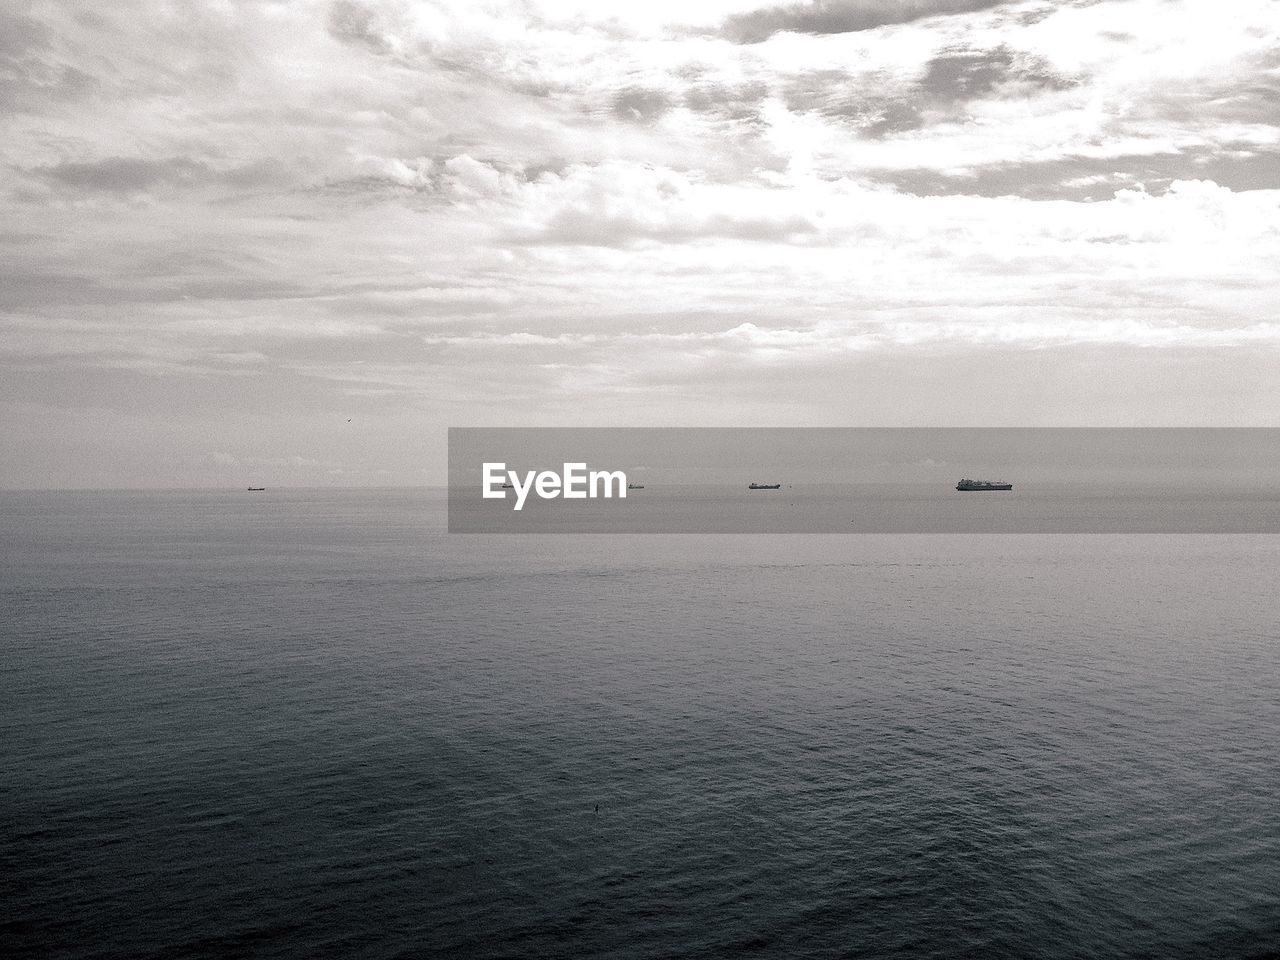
x=1094, y=178
x=182, y=277
x=31, y=76
x=640, y=104
x=25, y=290
x=125, y=173
x=867, y=104
x=353, y=23
x=839, y=16
x=133, y=174
x=968, y=74
x=877, y=105
x=555, y=166
x=30, y=88
x=724, y=101
x=21, y=35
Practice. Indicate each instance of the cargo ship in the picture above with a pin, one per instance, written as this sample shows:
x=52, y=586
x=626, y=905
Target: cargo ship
x=983, y=485
x=763, y=486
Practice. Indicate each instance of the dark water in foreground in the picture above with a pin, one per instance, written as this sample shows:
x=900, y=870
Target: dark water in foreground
x=311, y=724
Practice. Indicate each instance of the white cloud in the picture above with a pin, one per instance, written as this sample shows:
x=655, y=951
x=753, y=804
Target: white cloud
x=454, y=206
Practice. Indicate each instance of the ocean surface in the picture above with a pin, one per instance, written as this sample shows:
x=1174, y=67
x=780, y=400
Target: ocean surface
x=311, y=723
x=897, y=508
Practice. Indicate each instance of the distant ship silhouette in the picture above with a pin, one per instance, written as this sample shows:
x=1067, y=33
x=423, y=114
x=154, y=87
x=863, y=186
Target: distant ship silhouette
x=983, y=485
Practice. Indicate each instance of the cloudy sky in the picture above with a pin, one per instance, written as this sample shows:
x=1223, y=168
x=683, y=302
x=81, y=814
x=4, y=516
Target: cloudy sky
x=292, y=242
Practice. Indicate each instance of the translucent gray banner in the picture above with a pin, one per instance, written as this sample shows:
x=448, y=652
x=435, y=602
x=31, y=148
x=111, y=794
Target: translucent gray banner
x=864, y=480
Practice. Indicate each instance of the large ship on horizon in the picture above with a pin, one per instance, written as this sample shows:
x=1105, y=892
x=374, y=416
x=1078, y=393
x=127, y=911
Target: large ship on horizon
x=983, y=485
x=763, y=486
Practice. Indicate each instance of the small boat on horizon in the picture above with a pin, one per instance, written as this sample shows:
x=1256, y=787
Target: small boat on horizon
x=635, y=486
x=983, y=485
x=764, y=486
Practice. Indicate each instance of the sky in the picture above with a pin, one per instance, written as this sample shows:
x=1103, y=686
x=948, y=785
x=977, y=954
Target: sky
x=290, y=243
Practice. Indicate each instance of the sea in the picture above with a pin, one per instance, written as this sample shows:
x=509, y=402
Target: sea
x=313, y=723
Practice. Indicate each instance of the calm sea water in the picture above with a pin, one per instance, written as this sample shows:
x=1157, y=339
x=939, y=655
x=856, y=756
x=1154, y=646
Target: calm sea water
x=306, y=723
x=895, y=508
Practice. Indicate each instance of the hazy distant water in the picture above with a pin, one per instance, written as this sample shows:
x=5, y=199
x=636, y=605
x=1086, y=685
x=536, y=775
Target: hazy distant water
x=308, y=723
x=896, y=508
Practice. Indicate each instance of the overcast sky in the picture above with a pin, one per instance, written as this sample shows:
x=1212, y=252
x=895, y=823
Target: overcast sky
x=290, y=243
